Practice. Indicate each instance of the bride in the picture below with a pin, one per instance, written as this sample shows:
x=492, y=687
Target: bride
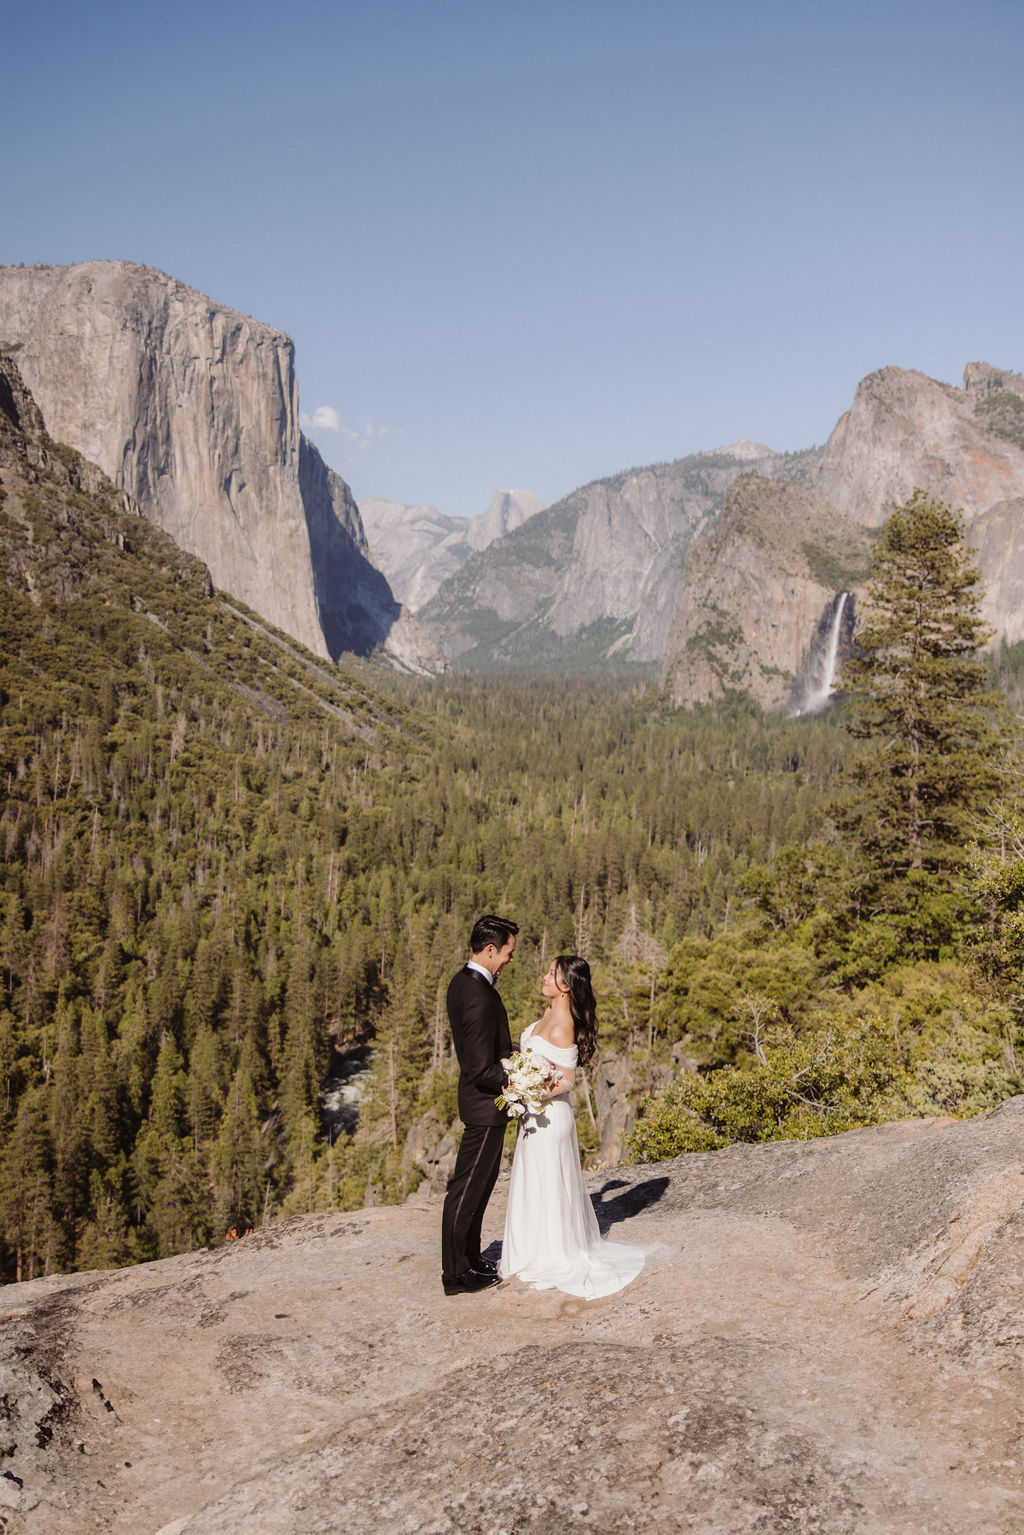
x=552, y=1240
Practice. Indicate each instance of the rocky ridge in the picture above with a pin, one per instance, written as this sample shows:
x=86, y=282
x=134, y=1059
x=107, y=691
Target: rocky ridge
x=756, y=593
x=666, y=567
x=61, y=519
x=906, y=431
x=597, y=577
x=68, y=534
x=418, y=547
x=193, y=410
x=836, y=1347
x=755, y=589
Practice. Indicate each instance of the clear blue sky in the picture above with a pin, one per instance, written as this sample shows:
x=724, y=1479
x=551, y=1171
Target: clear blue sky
x=526, y=245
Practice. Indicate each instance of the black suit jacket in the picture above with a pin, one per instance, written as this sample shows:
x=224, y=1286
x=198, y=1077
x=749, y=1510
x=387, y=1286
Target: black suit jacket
x=481, y=1034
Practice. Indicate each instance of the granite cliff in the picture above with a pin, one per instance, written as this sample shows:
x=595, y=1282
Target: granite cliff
x=83, y=572
x=418, y=547
x=723, y=584
x=835, y=1349
x=193, y=410
x=759, y=588
x=905, y=431
x=596, y=578
x=756, y=587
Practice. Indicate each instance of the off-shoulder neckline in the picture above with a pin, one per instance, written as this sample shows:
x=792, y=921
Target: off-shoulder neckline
x=528, y=1038
x=530, y=1027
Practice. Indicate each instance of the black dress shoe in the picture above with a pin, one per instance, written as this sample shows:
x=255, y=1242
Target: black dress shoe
x=483, y=1266
x=469, y=1283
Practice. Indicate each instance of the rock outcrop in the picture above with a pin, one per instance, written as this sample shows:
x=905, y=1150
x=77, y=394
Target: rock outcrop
x=756, y=588
x=904, y=432
x=60, y=510
x=417, y=547
x=68, y=535
x=506, y=511
x=836, y=1347
x=753, y=600
x=193, y=410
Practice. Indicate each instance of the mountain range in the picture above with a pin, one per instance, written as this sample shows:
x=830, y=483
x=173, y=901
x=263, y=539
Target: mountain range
x=721, y=569
x=755, y=596
x=595, y=579
x=715, y=571
x=418, y=547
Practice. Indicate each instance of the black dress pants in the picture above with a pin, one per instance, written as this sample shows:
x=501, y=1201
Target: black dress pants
x=469, y=1188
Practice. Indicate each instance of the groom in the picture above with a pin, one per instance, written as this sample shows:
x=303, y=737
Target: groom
x=480, y=1031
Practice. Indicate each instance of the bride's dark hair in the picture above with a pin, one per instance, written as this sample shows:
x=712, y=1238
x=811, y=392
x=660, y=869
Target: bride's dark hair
x=574, y=973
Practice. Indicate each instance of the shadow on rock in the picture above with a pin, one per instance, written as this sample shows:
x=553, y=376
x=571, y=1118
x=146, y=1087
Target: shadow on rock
x=635, y=1199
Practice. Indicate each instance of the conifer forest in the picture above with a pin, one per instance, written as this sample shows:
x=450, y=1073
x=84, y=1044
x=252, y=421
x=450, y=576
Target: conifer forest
x=229, y=869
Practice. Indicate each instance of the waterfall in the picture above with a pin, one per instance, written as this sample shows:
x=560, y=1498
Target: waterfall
x=816, y=686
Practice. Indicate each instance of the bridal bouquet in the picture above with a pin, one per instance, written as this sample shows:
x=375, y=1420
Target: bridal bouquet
x=529, y=1075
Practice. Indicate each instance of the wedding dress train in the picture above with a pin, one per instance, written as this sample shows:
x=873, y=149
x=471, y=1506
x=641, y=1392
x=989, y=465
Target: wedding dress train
x=552, y=1240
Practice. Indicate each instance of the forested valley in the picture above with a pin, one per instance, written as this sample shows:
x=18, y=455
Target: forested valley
x=228, y=867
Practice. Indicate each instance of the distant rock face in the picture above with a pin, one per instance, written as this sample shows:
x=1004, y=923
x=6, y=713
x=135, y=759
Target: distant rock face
x=193, y=409
x=982, y=381
x=508, y=510
x=63, y=519
x=756, y=588
x=753, y=601
x=16, y=403
x=663, y=566
x=418, y=547
x=905, y=431
x=596, y=578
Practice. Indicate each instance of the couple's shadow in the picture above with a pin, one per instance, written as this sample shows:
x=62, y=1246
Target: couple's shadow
x=634, y=1200
x=609, y=1211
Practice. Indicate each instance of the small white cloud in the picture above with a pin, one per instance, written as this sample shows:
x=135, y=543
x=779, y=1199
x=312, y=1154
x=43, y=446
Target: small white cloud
x=324, y=419
x=360, y=438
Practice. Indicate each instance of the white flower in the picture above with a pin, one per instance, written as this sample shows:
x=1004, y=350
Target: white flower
x=529, y=1077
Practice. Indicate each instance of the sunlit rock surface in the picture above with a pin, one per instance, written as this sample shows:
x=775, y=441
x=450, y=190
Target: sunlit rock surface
x=836, y=1348
x=595, y=579
x=757, y=586
x=193, y=409
x=905, y=431
x=759, y=580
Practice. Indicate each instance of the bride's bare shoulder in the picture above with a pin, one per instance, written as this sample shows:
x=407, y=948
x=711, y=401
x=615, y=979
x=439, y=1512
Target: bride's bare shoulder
x=560, y=1030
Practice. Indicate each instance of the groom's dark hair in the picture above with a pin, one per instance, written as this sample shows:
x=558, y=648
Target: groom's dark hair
x=496, y=930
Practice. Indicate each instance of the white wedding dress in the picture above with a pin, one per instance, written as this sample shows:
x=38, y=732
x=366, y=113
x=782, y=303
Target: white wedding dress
x=552, y=1240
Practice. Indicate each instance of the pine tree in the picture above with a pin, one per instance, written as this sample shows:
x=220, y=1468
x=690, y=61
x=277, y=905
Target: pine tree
x=30, y=1238
x=236, y=1156
x=915, y=692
